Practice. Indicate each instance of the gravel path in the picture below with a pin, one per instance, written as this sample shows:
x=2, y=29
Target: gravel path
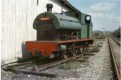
x=96, y=67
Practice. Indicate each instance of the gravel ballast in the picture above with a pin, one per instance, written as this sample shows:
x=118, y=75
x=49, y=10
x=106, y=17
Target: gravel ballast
x=97, y=67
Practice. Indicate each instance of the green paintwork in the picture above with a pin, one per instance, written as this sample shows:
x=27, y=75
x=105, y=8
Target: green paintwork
x=60, y=21
x=81, y=16
x=68, y=21
x=91, y=32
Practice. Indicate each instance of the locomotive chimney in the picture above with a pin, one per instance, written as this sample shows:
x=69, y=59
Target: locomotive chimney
x=49, y=8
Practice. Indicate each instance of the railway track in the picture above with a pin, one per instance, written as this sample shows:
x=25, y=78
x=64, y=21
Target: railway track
x=27, y=62
x=118, y=42
x=37, y=70
x=115, y=64
x=21, y=62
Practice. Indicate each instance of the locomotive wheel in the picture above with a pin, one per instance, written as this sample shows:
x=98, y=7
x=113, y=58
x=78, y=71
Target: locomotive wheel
x=74, y=52
x=81, y=50
x=85, y=50
x=65, y=56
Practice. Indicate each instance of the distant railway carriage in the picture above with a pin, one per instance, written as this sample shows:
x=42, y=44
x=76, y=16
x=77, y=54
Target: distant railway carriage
x=60, y=34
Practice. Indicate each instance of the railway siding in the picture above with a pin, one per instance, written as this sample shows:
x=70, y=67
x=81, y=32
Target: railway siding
x=94, y=65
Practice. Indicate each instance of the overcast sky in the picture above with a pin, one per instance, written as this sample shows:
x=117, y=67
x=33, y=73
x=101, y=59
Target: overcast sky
x=105, y=13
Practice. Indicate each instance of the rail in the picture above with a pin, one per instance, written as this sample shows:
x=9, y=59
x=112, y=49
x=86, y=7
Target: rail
x=37, y=70
x=118, y=42
x=114, y=63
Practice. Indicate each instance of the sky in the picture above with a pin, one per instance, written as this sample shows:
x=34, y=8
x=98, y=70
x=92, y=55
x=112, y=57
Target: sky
x=105, y=13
